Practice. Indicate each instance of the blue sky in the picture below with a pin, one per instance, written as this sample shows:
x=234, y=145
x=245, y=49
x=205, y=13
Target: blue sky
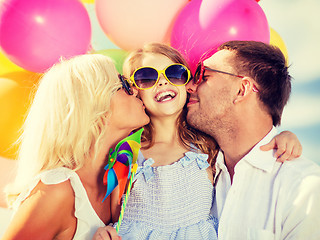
x=297, y=22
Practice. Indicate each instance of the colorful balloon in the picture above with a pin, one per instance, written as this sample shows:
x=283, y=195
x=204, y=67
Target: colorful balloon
x=35, y=34
x=204, y=24
x=15, y=90
x=276, y=40
x=117, y=55
x=7, y=66
x=131, y=24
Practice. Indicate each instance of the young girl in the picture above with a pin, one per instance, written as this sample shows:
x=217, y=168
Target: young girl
x=78, y=113
x=173, y=189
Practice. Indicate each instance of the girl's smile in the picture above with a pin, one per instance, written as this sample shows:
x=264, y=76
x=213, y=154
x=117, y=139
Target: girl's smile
x=166, y=95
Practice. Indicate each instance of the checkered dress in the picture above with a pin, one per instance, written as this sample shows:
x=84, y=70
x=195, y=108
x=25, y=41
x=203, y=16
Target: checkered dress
x=171, y=202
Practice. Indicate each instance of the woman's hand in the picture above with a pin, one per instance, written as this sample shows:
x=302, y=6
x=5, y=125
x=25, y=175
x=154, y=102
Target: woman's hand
x=287, y=145
x=106, y=233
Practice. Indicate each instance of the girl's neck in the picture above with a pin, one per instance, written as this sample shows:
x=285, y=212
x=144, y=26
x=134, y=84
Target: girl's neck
x=165, y=130
x=167, y=147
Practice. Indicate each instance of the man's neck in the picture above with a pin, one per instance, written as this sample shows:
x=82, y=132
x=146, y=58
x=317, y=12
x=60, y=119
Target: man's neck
x=240, y=143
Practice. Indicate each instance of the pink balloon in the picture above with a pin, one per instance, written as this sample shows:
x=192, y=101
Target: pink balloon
x=205, y=24
x=34, y=34
x=131, y=24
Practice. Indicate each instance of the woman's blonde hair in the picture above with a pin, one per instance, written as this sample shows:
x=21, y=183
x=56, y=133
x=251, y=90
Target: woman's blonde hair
x=186, y=133
x=66, y=120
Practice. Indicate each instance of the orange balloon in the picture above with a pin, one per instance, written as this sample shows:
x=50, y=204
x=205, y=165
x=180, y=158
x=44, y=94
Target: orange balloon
x=276, y=40
x=15, y=90
x=130, y=24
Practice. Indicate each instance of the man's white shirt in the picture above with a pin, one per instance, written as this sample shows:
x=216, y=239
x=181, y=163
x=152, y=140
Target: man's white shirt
x=267, y=199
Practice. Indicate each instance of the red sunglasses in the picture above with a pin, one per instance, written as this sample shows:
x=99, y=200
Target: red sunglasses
x=198, y=75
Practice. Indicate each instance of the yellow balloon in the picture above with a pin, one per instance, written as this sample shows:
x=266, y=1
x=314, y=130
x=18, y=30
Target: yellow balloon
x=15, y=89
x=276, y=40
x=87, y=1
x=7, y=66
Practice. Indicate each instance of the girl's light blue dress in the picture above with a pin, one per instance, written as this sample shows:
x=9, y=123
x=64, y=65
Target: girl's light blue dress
x=170, y=202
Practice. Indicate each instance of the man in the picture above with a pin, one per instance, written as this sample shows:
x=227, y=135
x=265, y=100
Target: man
x=237, y=97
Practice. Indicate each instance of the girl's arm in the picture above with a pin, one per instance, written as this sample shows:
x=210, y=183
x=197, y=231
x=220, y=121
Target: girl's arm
x=287, y=145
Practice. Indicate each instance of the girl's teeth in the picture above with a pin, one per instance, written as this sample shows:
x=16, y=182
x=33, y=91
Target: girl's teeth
x=164, y=96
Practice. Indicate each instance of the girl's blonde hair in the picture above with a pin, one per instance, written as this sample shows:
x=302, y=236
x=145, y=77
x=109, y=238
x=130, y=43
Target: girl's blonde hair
x=66, y=120
x=186, y=133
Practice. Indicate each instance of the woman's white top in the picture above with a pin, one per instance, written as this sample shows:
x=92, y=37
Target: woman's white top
x=87, y=219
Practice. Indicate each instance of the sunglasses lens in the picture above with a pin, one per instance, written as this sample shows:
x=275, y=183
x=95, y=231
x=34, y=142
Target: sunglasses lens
x=177, y=74
x=145, y=77
x=196, y=79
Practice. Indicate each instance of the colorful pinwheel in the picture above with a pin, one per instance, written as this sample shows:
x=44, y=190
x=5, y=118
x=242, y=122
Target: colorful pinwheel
x=121, y=163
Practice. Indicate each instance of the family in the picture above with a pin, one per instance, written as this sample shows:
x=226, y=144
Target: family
x=212, y=164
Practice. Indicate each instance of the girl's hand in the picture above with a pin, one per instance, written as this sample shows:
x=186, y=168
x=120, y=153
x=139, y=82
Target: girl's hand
x=287, y=145
x=106, y=233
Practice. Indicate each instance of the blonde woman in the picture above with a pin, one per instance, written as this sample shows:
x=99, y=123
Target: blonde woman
x=81, y=109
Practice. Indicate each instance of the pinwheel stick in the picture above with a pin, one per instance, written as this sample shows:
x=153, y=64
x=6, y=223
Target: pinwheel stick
x=134, y=169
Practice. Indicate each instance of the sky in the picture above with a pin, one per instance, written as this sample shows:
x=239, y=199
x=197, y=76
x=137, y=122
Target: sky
x=297, y=22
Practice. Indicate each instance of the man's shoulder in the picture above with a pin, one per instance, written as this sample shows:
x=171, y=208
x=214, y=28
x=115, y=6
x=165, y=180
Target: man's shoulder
x=297, y=170
x=301, y=166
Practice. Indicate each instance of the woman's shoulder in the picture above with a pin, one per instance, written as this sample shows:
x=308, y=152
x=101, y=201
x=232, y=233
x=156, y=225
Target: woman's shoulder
x=57, y=175
x=52, y=196
x=53, y=201
x=51, y=187
x=57, y=192
x=49, y=207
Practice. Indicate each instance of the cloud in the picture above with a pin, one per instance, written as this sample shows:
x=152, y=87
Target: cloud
x=297, y=22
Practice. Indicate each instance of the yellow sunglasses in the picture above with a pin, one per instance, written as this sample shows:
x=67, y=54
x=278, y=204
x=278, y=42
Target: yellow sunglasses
x=147, y=77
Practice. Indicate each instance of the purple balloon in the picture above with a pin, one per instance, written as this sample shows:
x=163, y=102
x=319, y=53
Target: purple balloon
x=34, y=34
x=205, y=24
